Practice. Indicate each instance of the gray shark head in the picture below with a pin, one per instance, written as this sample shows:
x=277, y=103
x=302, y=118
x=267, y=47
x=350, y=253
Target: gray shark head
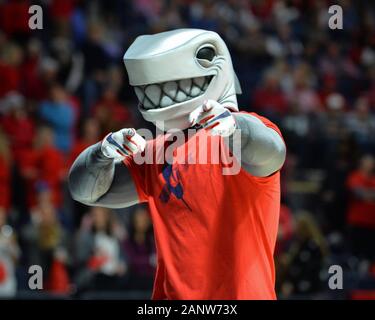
x=174, y=72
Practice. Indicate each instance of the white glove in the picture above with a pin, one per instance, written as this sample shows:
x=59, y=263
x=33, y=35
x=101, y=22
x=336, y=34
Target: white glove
x=122, y=143
x=215, y=118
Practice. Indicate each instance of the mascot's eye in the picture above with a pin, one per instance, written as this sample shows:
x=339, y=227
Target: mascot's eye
x=206, y=53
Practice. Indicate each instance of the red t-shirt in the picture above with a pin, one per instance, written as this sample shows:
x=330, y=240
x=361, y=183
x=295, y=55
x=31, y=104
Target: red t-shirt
x=215, y=234
x=20, y=131
x=361, y=212
x=49, y=167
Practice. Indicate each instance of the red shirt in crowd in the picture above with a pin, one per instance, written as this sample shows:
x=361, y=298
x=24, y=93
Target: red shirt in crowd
x=20, y=132
x=361, y=212
x=43, y=165
x=33, y=86
x=14, y=16
x=266, y=100
x=111, y=114
x=4, y=183
x=9, y=79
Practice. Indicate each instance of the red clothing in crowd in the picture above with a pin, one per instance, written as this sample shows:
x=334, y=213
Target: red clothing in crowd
x=4, y=183
x=9, y=79
x=62, y=9
x=112, y=112
x=20, y=132
x=361, y=212
x=14, y=16
x=262, y=9
x=267, y=100
x=33, y=86
x=329, y=86
x=58, y=279
x=43, y=165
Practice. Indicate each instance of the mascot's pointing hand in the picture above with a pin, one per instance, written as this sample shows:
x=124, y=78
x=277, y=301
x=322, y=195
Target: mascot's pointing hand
x=214, y=118
x=122, y=143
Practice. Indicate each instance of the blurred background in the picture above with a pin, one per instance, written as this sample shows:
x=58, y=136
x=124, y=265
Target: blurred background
x=64, y=87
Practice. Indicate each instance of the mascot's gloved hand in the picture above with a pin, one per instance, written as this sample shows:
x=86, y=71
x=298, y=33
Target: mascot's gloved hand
x=122, y=143
x=215, y=118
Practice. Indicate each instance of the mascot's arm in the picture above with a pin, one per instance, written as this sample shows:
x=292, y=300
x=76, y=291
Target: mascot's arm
x=99, y=178
x=263, y=151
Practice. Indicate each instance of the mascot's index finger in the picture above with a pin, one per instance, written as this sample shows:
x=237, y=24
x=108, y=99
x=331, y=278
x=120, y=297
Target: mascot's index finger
x=128, y=132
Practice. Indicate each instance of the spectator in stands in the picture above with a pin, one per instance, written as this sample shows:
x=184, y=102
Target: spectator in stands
x=11, y=56
x=333, y=195
x=334, y=118
x=9, y=254
x=269, y=99
x=37, y=71
x=101, y=264
x=14, y=17
x=47, y=244
x=89, y=135
x=333, y=125
x=140, y=250
x=95, y=64
x=361, y=209
x=361, y=122
x=303, y=94
x=70, y=62
x=43, y=164
x=335, y=61
x=111, y=114
x=58, y=112
x=17, y=124
x=300, y=266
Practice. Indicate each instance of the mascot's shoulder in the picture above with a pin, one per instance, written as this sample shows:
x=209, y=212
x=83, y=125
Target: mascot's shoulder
x=265, y=120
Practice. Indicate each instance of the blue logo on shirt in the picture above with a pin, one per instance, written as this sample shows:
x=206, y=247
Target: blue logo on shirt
x=172, y=185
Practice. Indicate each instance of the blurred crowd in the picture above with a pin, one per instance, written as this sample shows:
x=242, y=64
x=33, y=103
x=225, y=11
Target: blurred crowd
x=64, y=87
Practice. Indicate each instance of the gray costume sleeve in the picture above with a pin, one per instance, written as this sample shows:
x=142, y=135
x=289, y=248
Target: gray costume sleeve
x=99, y=181
x=262, y=149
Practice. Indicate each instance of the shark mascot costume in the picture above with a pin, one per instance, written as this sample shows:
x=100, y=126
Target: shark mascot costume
x=215, y=233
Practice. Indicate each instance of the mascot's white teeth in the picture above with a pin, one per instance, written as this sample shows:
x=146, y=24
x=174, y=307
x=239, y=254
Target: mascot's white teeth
x=165, y=94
